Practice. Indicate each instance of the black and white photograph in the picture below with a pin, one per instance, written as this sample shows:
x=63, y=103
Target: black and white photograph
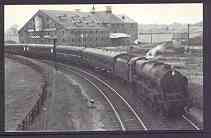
x=103, y=67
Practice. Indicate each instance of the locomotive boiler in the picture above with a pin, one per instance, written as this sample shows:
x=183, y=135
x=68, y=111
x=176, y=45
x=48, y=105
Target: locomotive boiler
x=160, y=85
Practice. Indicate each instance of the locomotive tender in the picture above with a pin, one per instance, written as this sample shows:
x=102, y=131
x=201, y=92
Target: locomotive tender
x=158, y=84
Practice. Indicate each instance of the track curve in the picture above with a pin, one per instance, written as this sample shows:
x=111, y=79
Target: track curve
x=130, y=120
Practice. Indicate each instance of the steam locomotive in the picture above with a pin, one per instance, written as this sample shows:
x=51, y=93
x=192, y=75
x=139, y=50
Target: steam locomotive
x=158, y=84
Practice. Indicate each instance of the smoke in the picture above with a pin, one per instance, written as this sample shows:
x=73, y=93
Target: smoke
x=159, y=50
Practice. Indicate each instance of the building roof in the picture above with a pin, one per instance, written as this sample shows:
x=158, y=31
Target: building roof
x=73, y=19
x=83, y=20
x=119, y=35
x=125, y=18
x=104, y=17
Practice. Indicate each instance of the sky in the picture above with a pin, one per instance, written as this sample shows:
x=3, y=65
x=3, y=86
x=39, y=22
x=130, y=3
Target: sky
x=142, y=13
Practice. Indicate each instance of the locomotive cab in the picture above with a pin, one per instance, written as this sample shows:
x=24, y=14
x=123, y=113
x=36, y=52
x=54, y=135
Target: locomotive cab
x=121, y=66
x=131, y=65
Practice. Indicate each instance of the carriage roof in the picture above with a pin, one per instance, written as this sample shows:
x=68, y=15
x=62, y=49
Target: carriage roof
x=102, y=52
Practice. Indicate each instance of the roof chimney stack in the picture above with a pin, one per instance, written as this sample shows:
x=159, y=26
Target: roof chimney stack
x=108, y=9
x=93, y=9
x=77, y=10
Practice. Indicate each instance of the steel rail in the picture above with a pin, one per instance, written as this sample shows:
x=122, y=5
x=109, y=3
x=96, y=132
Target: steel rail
x=140, y=120
x=106, y=84
x=190, y=122
x=107, y=99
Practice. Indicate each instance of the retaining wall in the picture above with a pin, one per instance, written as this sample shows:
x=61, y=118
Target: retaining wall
x=35, y=110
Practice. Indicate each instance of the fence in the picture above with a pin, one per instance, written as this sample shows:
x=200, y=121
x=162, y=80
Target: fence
x=185, y=34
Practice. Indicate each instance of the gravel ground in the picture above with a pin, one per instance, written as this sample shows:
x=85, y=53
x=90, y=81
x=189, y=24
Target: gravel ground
x=21, y=86
x=68, y=107
x=152, y=120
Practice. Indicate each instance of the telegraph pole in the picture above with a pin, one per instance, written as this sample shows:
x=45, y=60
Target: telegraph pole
x=85, y=41
x=50, y=107
x=82, y=39
x=54, y=52
x=93, y=6
x=188, y=43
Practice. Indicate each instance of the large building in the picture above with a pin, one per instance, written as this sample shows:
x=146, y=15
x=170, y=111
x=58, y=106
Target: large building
x=90, y=29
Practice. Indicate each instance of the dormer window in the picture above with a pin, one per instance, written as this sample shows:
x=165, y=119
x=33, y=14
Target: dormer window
x=62, y=17
x=38, y=23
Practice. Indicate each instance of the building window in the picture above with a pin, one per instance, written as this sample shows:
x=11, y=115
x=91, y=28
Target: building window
x=102, y=37
x=96, y=35
x=51, y=24
x=47, y=25
x=38, y=23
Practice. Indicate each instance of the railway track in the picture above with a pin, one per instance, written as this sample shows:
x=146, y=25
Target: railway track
x=187, y=124
x=183, y=120
x=190, y=122
x=126, y=114
x=127, y=117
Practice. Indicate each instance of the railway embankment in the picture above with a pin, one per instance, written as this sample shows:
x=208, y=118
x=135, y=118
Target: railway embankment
x=26, y=91
x=68, y=106
x=61, y=103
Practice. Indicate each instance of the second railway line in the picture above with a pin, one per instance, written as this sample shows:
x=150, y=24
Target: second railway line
x=127, y=117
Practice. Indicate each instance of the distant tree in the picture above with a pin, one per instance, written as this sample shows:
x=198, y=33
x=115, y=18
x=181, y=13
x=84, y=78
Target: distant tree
x=13, y=29
x=12, y=33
